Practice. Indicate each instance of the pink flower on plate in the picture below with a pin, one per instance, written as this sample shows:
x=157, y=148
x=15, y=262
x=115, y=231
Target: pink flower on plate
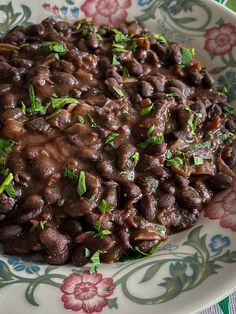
x=220, y=40
x=106, y=11
x=223, y=207
x=55, y=9
x=46, y=6
x=86, y=292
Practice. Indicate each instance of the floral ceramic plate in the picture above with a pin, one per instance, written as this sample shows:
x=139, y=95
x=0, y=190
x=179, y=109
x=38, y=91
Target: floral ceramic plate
x=193, y=269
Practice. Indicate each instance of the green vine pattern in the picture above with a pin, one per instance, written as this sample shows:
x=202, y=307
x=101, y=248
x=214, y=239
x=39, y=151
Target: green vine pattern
x=203, y=263
x=171, y=9
x=11, y=18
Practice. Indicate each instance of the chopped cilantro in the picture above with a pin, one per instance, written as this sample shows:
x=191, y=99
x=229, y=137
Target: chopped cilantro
x=95, y=259
x=160, y=228
x=87, y=252
x=125, y=72
x=60, y=102
x=109, y=139
x=119, y=36
x=228, y=109
x=115, y=61
x=118, y=48
x=160, y=38
x=23, y=107
x=135, y=158
x=35, y=104
x=6, y=183
x=197, y=160
x=146, y=110
x=133, y=46
x=101, y=232
x=118, y=91
x=151, y=139
x=41, y=224
x=194, y=123
x=92, y=122
x=222, y=91
x=168, y=154
x=226, y=136
x=172, y=95
x=70, y=174
x=80, y=119
x=187, y=55
x=175, y=162
x=6, y=146
x=104, y=206
x=81, y=187
x=58, y=48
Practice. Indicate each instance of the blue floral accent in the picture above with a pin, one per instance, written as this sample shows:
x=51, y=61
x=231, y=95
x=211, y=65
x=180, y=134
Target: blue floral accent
x=219, y=242
x=25, y=264
x=64, y=10
x=229, y=80
x=144, y=2
x=75, y=11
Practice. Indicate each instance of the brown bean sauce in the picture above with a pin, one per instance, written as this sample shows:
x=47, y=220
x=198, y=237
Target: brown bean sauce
x=111, y=138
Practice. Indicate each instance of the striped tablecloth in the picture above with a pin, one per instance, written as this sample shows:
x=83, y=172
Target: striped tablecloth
x=228, y=305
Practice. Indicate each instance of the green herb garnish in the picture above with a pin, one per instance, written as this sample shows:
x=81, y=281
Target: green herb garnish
x=228, y=109
x=95, y=259
x=109, y=139
x=58, y=48
x=92, y=122
x=70, y=174
x=115, y=61
x=222, y=91
x=104, y=206
x=118, y=91
x=175, y=162
x=80, y=119
x=226, y=136
x=133, y=46
x=60, y=102
x=194, y=123
x=172, y=95
x=81, y=187
x=146, y=110
x=197, y=160
x=160, y=38
x=101, y=232
x=160, y=228
x=41, y=224
x=135, y=158
x=125, y=72
x=35, y=104
x=119, y=36
x=151, y=139
x=87, y=252
x=118, y=48
x=187, y=55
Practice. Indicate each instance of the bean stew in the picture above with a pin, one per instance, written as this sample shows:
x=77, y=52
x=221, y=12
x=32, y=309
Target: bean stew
x=110, y=139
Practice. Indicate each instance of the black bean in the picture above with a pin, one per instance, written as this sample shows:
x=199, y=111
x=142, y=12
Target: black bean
x=162, y=51
x=152, y=58
x=158, y=83
x=15, y=37
x=113, y=73
x=64, y=78
x=78, y=256
x=231, y=125
x=203, y=191
x=92, y=41
x=8, y=101
x=15, y=114
x=112, y=85
x=189, y=198
x=176, y=55
x=51, y=195
x=146, y=246
x=165, y=201
x=4, y=70
x=54, y=241
x=21, y=63
x=148, y=206
x=168, y=187
x=6, y=203
x=71, y=226
x=124, y=156
x=59, y=258
x=77, y=208
x=10, y=232
x=134, y=67
x=229, y=156
x=181, y=181
x=221, y=181
x=131, y=190
x=62, y=26
x=61, y=120
x=37, y=124
x=207, y=79
x=124, y=236
x=35, y=30
x=199, y=107
x=194, y=77
x=215, y=110
x=141, y=55
x=145, y=89
x=110, y=195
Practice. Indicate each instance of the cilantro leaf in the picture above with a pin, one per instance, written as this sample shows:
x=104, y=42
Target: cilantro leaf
x=160, y=228
x=160, y=38
x=187, y=55
x=135, y=158
x=95, y=259
x=151, y=139
x=109, y=139
x=118, y=91
x=81, y=187
x=197, y=160
x=70, y=174
x=115, y=61
x=104, y=206
x=118, y=48
x=6, y=182
x=146, y=110
x=92, y=122
x=175, y=162
x=58, y=48
x=125, y=72
x=80, y=119
x=228, y=109
x=222, y=91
